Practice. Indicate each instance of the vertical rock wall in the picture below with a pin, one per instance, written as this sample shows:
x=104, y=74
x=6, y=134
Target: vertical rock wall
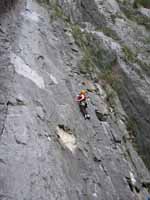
x=47, y=149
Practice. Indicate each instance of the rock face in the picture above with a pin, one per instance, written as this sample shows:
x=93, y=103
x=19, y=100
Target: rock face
x=48, y=151
x=123, y=30
x=6, y=5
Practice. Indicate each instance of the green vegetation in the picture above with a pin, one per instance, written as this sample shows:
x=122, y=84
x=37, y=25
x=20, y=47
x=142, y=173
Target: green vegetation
x=131, y=126
x=97, y=57
x=140, y=146
x=111, y=96
x=147, y=40
x=144, y=66
x=94, y=56
x=44, y=2
x=57, y=11
x=141, y=20
x=97, y=60
x=133, y=14
x=87, y=65
x=129, y=55
x=144, y=3
x=81, y=38
x=112, y=78
x=109, y=32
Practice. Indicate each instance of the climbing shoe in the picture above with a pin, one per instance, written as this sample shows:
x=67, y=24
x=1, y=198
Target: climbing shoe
x=87, y=116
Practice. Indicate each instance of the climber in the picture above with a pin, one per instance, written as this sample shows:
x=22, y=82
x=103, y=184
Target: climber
x=82, y=100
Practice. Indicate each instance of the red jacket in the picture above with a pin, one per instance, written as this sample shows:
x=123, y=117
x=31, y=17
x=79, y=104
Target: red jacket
x=81, y=97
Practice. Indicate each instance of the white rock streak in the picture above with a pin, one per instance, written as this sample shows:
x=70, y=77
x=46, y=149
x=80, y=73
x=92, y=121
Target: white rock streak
x=67, y=139
x=53, y=79
x=24, y=70
x=133, y=180
x=31, y=16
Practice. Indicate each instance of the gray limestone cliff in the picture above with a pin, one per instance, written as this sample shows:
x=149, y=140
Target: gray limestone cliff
x=50, y=50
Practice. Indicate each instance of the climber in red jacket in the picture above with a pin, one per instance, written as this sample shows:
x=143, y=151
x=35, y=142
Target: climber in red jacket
x=82, y=100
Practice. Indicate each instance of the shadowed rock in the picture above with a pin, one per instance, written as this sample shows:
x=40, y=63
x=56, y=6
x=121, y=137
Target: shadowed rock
x=6, y=5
